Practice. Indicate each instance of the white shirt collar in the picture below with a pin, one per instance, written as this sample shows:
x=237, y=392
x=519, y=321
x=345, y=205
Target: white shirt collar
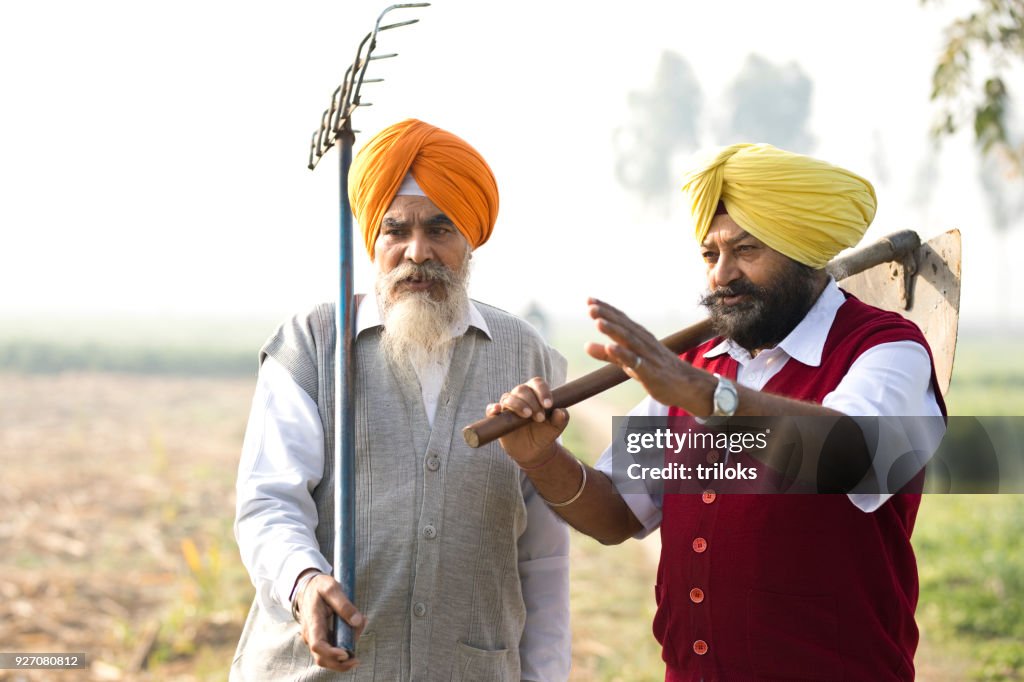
x=807, y=340
x=368, y=316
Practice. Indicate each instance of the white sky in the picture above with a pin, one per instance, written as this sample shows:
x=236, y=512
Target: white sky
x=152, y=155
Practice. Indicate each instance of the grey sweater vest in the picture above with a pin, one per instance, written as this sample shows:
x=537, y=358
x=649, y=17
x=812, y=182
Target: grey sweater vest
x=436, y=522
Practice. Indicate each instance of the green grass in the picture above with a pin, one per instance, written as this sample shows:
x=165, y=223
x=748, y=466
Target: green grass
x=612, y=593
x=970, y=551
x=988, y=378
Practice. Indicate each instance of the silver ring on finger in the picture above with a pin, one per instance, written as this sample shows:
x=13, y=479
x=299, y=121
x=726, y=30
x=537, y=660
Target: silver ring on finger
x=639, y=361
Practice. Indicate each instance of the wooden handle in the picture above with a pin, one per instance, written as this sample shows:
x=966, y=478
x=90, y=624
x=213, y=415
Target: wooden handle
x=578, y=390
x=890, y=248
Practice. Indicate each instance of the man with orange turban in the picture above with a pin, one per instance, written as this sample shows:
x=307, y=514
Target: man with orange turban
x=461, y=568
x=760, y=586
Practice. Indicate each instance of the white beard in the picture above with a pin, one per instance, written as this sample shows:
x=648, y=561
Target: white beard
x=417, y=328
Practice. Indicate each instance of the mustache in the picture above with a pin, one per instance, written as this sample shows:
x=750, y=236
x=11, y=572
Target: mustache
x=426, y=271
x=738, y=288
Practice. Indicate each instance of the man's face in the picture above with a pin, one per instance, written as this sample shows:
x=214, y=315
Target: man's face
x=419, y=249
x=422, y=273
x=756, y=295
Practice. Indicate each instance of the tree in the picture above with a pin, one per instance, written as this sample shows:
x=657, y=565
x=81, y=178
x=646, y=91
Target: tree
x=990, y=40
x=664, y=125
x=770, y=103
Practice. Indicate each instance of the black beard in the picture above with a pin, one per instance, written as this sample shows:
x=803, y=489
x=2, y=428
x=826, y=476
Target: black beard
x=769, y=314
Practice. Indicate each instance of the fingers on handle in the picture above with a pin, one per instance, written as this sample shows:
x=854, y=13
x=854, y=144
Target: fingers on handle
x=542, y=391
x=327, y=656
x=326, y=596
x=522, y=400
x=559, y=418
x=330, y=591
x=316, y=632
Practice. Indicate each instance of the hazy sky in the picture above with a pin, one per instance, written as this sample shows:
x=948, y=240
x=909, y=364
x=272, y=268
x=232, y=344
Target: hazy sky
x=154, y=154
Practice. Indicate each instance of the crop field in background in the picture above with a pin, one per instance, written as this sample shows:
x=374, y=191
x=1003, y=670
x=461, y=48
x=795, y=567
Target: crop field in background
x=117, y=501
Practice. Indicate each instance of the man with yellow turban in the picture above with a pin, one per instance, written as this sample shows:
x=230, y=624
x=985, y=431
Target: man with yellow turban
x=760, y=586
x=461, y=568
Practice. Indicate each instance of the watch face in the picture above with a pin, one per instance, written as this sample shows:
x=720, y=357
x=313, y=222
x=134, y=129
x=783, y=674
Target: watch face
x=726, y=398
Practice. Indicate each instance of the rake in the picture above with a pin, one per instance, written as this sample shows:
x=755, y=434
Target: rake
x=336, y=129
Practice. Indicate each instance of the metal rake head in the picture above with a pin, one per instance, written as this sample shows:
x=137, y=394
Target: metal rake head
x=337, y=118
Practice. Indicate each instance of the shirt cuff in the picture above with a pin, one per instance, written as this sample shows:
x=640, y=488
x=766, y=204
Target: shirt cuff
x=292, y=566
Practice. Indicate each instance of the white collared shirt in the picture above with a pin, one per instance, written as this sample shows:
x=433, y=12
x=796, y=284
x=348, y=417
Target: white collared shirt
x=890, y=379
x=282, y=460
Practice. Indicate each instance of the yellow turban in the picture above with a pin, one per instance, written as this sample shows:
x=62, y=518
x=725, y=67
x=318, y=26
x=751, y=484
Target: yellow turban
x=803, y=208
x=449, y=171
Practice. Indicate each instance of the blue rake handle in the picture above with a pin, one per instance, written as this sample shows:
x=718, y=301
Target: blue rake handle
x=336, y=128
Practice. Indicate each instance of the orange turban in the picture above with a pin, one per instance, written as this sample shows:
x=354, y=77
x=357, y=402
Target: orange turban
x=449, y=171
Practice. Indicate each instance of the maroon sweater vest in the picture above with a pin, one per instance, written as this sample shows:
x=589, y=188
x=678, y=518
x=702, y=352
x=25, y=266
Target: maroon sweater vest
x=788, y=586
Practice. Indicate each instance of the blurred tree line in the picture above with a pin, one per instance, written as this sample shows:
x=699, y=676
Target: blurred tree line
x=766, y=102
x=769, y=102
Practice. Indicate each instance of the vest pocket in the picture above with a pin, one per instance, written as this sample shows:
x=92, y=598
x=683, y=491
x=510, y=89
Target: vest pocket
x=794, y=637
x=480, y=665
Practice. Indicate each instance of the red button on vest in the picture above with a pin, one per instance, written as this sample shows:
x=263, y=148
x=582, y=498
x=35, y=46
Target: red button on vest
x=712, y=456
x=708, y=497
x=696, y=595
x=699, y=545
x=700, y=647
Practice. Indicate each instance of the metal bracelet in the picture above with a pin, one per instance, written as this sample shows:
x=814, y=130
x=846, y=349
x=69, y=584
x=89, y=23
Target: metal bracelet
x=300, y=587
x=579, y=492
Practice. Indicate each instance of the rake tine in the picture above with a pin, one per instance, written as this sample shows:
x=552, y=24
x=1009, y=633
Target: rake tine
x=361, y=62
x=346, y=97
x=397, y=24
x=335, y=107
x=405, y=5
x=313, y=155
x=338, y=110
x=324, y=142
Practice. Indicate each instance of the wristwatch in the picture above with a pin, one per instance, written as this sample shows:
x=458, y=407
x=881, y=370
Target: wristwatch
x=726, y=398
